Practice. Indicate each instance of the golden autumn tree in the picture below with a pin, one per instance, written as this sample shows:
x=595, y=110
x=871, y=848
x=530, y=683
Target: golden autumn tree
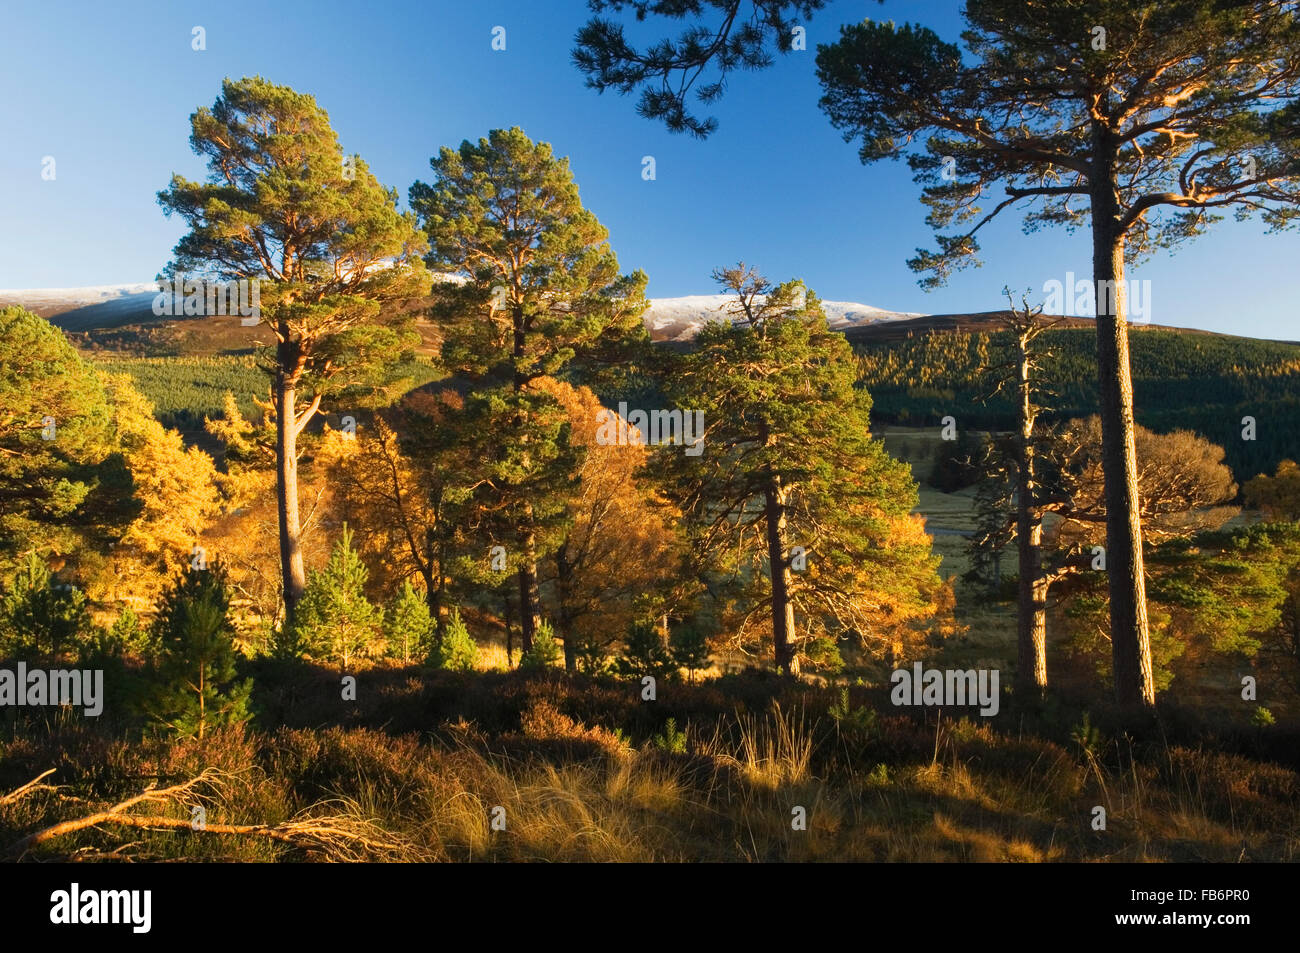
x=1277, y=496
x=620, y=544
x=174, y=499
x=406, y=489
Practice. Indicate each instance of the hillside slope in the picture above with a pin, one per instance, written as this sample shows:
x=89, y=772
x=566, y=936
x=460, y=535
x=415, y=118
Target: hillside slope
x=102, y=312
x=1181, y=380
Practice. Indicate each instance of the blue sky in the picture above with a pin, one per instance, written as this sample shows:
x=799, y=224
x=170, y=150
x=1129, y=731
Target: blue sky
x=107, y=90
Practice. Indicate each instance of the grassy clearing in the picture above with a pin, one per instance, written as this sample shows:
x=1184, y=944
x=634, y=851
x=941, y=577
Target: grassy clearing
x=585, y=771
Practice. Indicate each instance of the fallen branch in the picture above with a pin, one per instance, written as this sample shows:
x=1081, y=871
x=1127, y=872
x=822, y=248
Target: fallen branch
x=340, y=837
x=29, y=788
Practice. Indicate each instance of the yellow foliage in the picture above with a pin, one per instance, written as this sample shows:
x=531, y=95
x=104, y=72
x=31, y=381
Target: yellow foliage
x=174, y=487
x=621, y=543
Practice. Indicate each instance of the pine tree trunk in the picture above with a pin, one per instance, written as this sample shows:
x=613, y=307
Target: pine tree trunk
x=1130, y=639
x=435, y=580
x=1031, y=622
x=508, y=616
x=1031, y=617
x=529, y=616
x=202, y=700
x=779, y=567
x=433, y=593
x=564, y=595
x=293, y=574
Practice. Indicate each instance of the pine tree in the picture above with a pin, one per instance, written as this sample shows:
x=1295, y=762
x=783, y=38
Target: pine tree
x=284, y=207
x=788, y=461
x=197, y=688
x=457, y=649
x=126, y=637
x=541, y=295
x=644, y=652
x=1020, y=466
x=56, y=443
x=545, y=650
x=40, y=618
x=689, y=646
x=335, y=620
x=408, y=625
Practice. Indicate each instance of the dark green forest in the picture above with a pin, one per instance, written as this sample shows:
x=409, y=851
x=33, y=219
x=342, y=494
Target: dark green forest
x=1181, y=380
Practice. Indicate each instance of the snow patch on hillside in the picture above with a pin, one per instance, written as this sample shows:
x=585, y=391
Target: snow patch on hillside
x=33, y=298
x=668, y=319
x=679, y=319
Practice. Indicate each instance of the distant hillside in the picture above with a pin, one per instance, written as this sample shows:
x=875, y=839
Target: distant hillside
x=121, y=318
x=919, y=368
x=986, y=321
x=1181, y=380
x=79, y=309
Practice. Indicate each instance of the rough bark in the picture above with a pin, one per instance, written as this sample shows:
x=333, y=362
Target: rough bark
x=779, y=564
x=529, y=614
x=1031, y=618
x=1031, y=624
x=564, y=594
x=293, y=574
x=508, y=616
x=1130, y=639
x=433, y=587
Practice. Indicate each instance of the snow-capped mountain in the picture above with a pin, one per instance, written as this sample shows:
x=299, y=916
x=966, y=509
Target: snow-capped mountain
x=678, y=319
x=668, y=319
x=33, y=298
x=111, y=304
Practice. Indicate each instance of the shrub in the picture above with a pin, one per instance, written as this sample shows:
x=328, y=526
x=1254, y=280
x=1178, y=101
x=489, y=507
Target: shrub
x=457, y=651
x=408, y=624
x=645, y=653
x=40, y=618
x=823, y=654
x=689, y=647
x=196, y=687
x=546, y=650
x=671, y=740
x=126, y=637
x=591, y=656
x=858, y=722
x=334, y=619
